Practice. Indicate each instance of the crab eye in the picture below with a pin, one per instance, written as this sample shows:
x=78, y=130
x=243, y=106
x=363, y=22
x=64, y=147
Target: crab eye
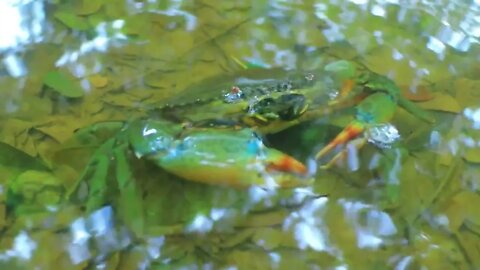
x=234, y=95
x=235, y=90
x=293, y=105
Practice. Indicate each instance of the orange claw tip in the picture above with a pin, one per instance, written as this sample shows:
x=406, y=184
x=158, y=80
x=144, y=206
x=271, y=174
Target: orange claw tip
x=286, y=163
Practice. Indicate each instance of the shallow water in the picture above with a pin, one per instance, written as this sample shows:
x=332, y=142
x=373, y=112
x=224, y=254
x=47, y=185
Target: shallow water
x=70, y=64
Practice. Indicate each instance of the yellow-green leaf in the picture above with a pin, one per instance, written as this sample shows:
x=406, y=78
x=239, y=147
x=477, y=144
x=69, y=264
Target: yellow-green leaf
x=98, y=81
x=420, y=93
x=463, y=207
x=86, y=7
x=38, y=187
x=441, y=102
x=467, y=92
x=343, y=69
x=61, y=83
x=72, y=21
x=18, y=160
x=472, y=155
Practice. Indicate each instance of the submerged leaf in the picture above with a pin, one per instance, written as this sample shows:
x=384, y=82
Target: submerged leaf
x=268, y=238
x=92, y=186
x=441, y=102
x=472, y=154
x=240, y=236
x=270, y=218
x=58, y=129
x=86, y=7
x=434, y=249
x=40, y=59
x=272, y=238
x=416, y=187
x=33, y=107
x=343, y=69
x=37, y=188
x=14, y=158
x=463, y=207
x=16, y=133
x=249, y=259
x=130, y=198
x=467, y=92
x=469, y=241
x=420, y=93
x=61, y=83
x=72, y=21
x=98, y=81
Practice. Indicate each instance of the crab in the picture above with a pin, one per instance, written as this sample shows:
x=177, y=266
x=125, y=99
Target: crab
x=215, y=136
x=202, y=137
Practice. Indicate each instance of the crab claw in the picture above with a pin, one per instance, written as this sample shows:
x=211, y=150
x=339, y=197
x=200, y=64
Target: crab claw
x=230, y=158
x=353, y=130
x=286, y=171
x=277, y=161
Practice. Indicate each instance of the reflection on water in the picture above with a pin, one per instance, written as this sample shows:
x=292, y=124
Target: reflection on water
x=22, y=248
x=21, y=29
x=404, y=197
x=98, y=229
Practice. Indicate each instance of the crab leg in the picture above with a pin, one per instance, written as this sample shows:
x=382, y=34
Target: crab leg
x=375, y=109
x=353, y=130
x=356, y=143
x=415, y=110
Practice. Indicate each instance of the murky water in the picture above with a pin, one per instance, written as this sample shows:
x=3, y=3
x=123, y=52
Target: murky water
x=403, y=198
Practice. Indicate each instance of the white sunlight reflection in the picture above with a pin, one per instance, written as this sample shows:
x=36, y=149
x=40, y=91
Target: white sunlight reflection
x=311, y=232
x=14, y=65
x=218, y=213
x=201, y=224
x=378, y=10
x=170, y=8
x=78, y=248
x=353, y=159
x=13, y=33
x=23, y=247
x=154, y=246
x=464, y=126
x=436, y=46
x=99, y=230
x=308, y=226
x=275, y=258
x=258, y=194
x=473, y=114
x=376, y=226
x=101, y=43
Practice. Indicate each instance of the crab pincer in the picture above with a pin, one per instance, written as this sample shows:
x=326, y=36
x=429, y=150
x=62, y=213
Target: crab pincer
x=226, y=157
